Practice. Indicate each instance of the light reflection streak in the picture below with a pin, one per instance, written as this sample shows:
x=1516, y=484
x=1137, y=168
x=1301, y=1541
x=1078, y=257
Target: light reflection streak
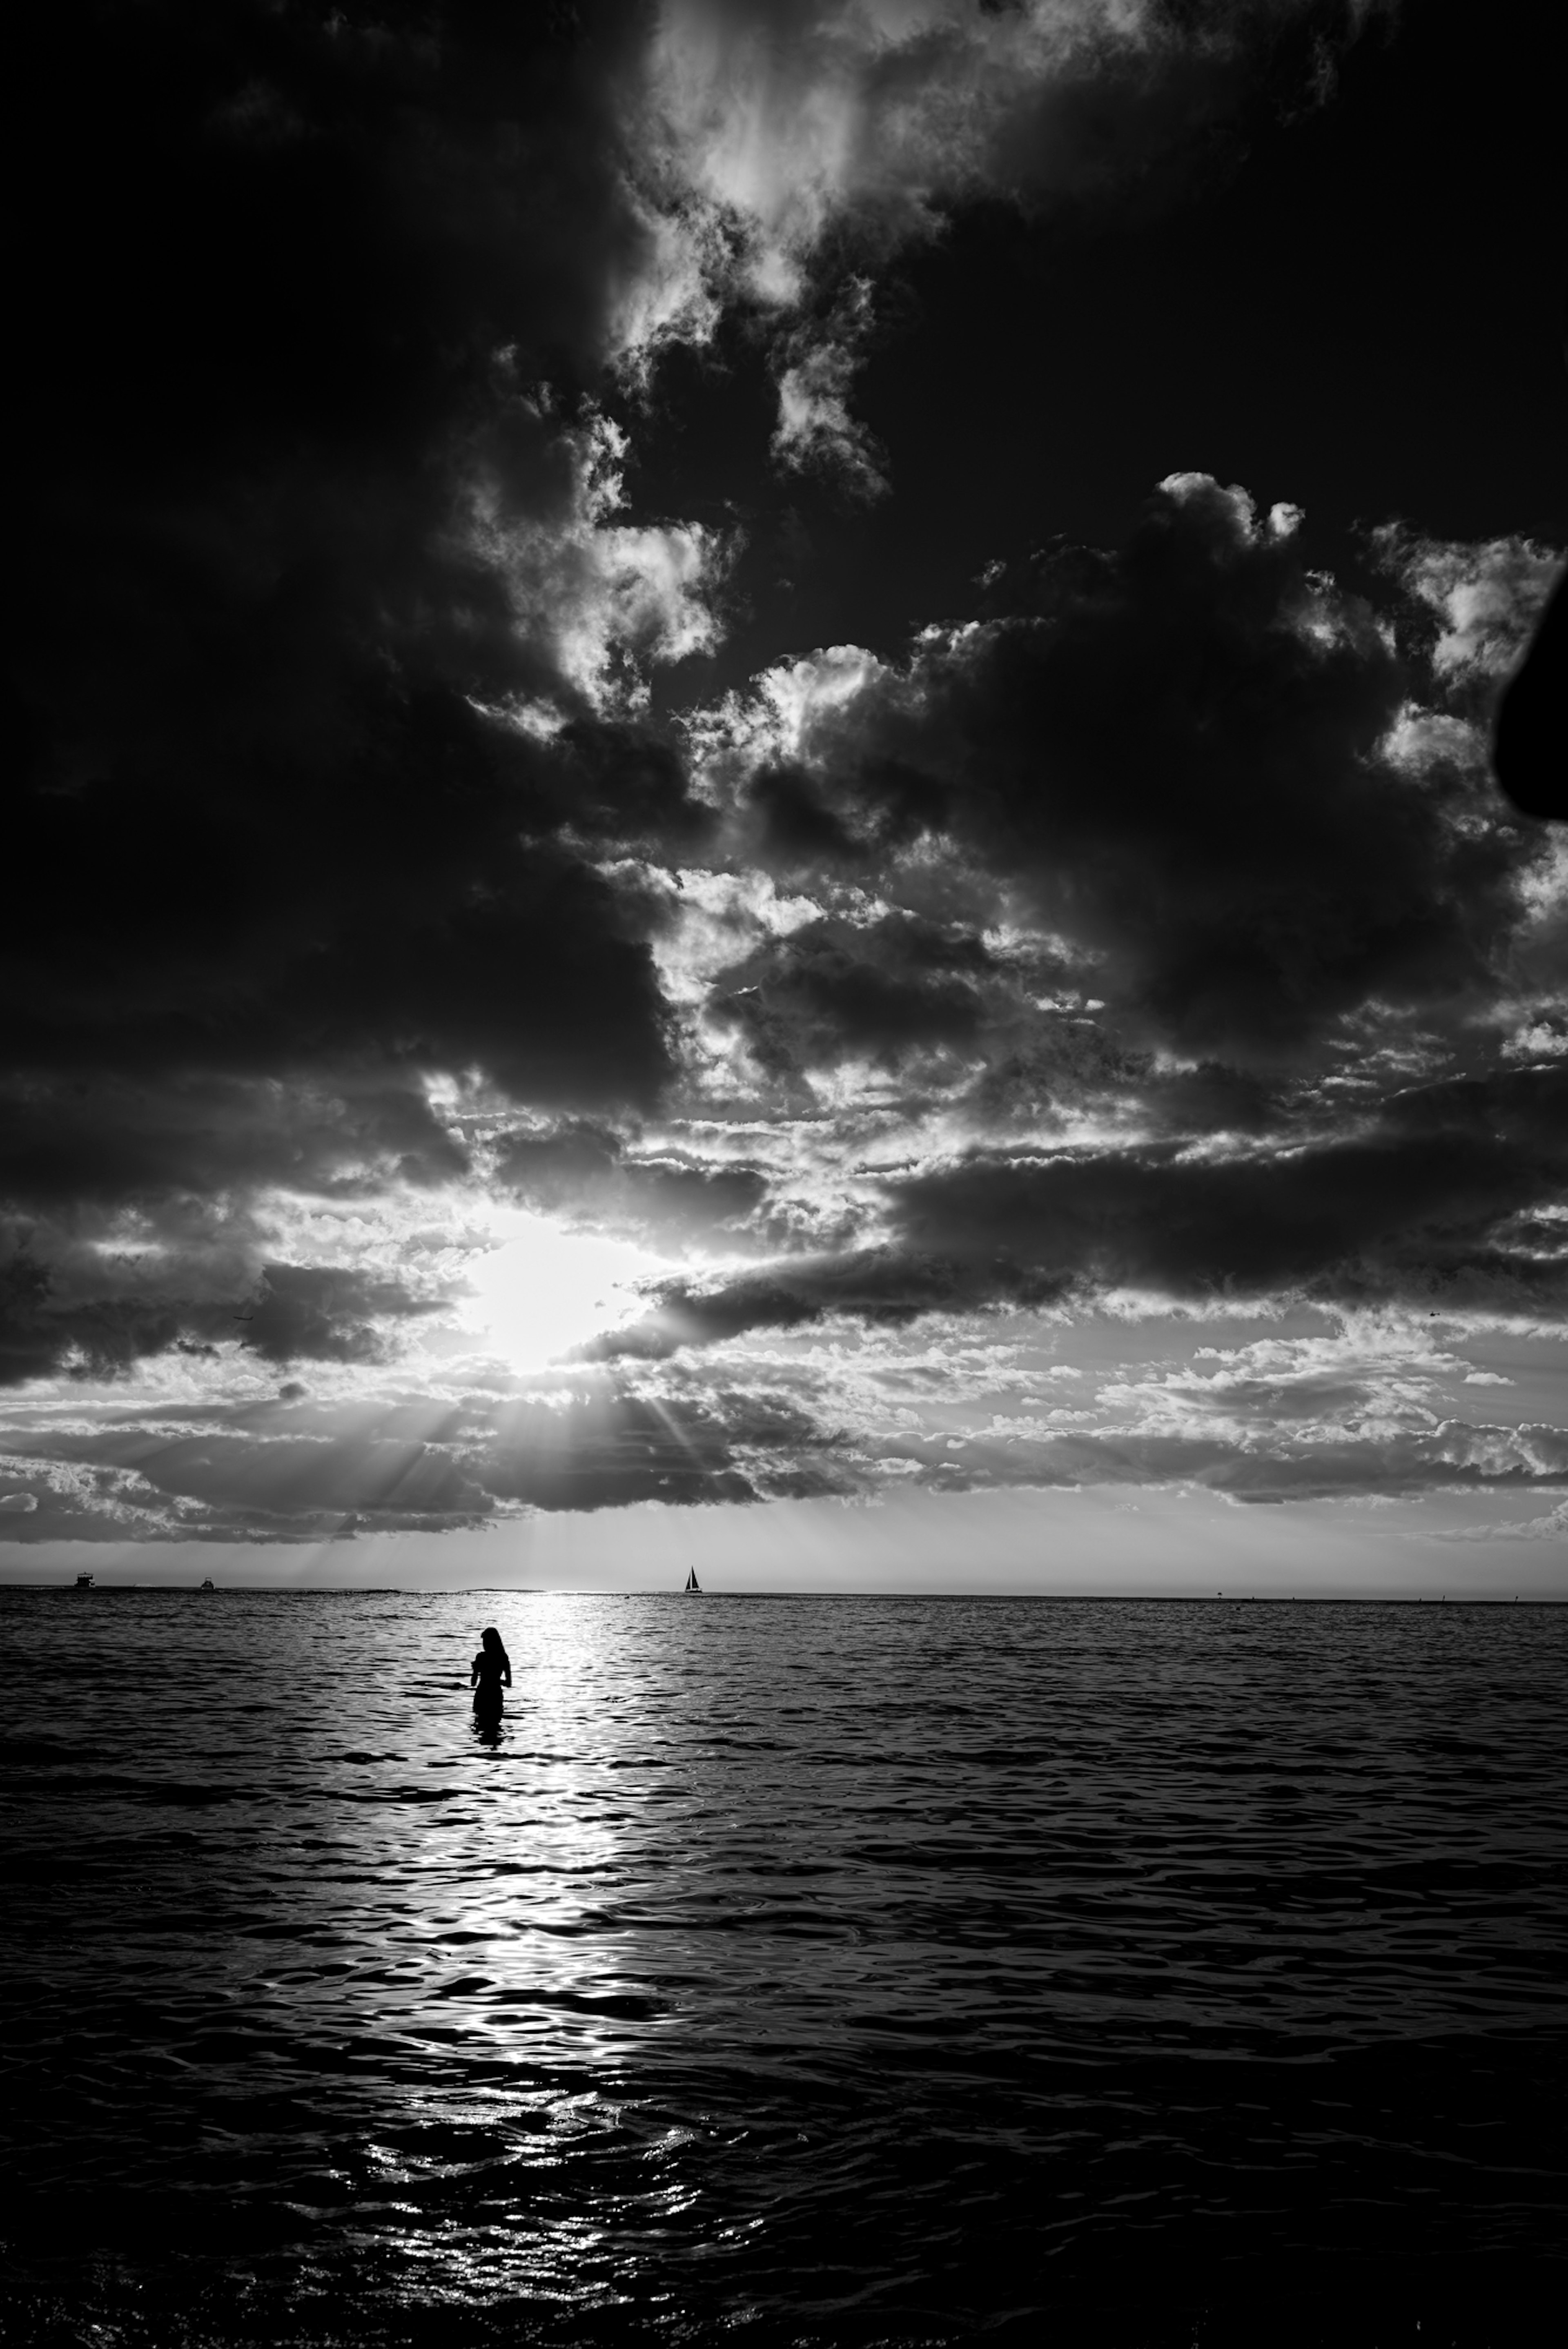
x=508, y=2161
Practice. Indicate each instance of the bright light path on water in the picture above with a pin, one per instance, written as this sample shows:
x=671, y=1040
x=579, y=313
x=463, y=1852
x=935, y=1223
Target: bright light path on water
x=542, y=1290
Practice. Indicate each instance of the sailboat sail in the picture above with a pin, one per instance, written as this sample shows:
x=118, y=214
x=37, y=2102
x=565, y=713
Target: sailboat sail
x=691, y=1581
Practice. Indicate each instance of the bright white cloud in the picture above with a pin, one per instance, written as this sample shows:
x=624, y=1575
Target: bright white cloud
x=1487, y=595
x=605, y=597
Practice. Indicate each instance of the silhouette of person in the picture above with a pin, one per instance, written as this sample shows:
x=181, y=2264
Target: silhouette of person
x=491, y=1672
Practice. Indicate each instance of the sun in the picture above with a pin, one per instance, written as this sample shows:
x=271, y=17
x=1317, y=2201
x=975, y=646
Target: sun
x=539, y=1290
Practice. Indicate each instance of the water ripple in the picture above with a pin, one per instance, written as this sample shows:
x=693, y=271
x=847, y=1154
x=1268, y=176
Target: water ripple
x=885, y=1964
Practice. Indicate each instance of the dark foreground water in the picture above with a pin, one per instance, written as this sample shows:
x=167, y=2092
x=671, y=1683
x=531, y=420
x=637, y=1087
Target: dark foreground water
x=842, y=1971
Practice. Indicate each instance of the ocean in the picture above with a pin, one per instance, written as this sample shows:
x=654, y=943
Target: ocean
x=844, y=1970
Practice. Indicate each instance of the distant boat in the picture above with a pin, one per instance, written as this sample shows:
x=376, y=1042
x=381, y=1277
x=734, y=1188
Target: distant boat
x=209, y=1584
x=693, y=1583
x=84, y=1582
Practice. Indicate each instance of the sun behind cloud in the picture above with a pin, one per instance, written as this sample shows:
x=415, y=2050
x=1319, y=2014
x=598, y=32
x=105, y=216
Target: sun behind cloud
x=538, y=1290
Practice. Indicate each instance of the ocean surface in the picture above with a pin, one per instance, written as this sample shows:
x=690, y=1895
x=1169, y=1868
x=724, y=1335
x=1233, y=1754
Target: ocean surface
x=840, y=1970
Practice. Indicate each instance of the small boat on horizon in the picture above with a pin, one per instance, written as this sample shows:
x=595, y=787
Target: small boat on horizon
x=691, y=1582
x=209, y=1584
x=84, y=1582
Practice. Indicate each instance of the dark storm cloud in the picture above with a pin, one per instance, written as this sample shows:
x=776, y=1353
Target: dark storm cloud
x=1417, y=1217
x=885, y=1288
x=584, y=1170
x=1175, y=756
x=1211, y=1099
x=611, y=1446
x=387, y=898
x=130, y=1234
x=294, y=1469
x=283, y=1479
x=45, y=1328
x=833, y=989
x=218, y=1483
x=1446, y=1201
x=791, y=151
x=271, y=256
x=794, y=827
x=288, y=273
x=312, y=1313
x=79, y=1313
x=299, y=532
x=311, y=214
x=105, y=1139
x=347, y=866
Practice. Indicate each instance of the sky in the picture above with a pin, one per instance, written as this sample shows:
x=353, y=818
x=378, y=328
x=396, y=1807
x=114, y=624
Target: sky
x=749, y=817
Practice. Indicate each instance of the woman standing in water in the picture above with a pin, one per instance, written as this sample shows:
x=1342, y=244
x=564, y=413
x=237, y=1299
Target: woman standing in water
x=492, y=1672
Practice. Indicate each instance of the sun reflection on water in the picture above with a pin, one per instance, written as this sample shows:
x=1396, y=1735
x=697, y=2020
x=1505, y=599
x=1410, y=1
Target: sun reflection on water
x=518, y=2156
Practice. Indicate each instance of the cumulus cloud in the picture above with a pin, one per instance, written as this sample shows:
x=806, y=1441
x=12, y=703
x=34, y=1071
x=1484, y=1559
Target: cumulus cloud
x=1485, y=598
x=766, y=129
x=1150, y=943
x=1501, y=618
x=1208, y=972
x=776, y=149
x=815, y=365
x=1177, y=764
x=598, y=597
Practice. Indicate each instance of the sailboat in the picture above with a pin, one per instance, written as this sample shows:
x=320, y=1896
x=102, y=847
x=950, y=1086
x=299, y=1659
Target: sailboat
x=691, y=1581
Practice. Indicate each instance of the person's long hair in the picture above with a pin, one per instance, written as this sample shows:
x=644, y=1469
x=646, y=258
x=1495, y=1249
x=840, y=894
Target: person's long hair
x=491, y=1641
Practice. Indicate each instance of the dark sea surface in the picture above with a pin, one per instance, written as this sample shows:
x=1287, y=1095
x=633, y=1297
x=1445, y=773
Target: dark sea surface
x=844, y=1971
